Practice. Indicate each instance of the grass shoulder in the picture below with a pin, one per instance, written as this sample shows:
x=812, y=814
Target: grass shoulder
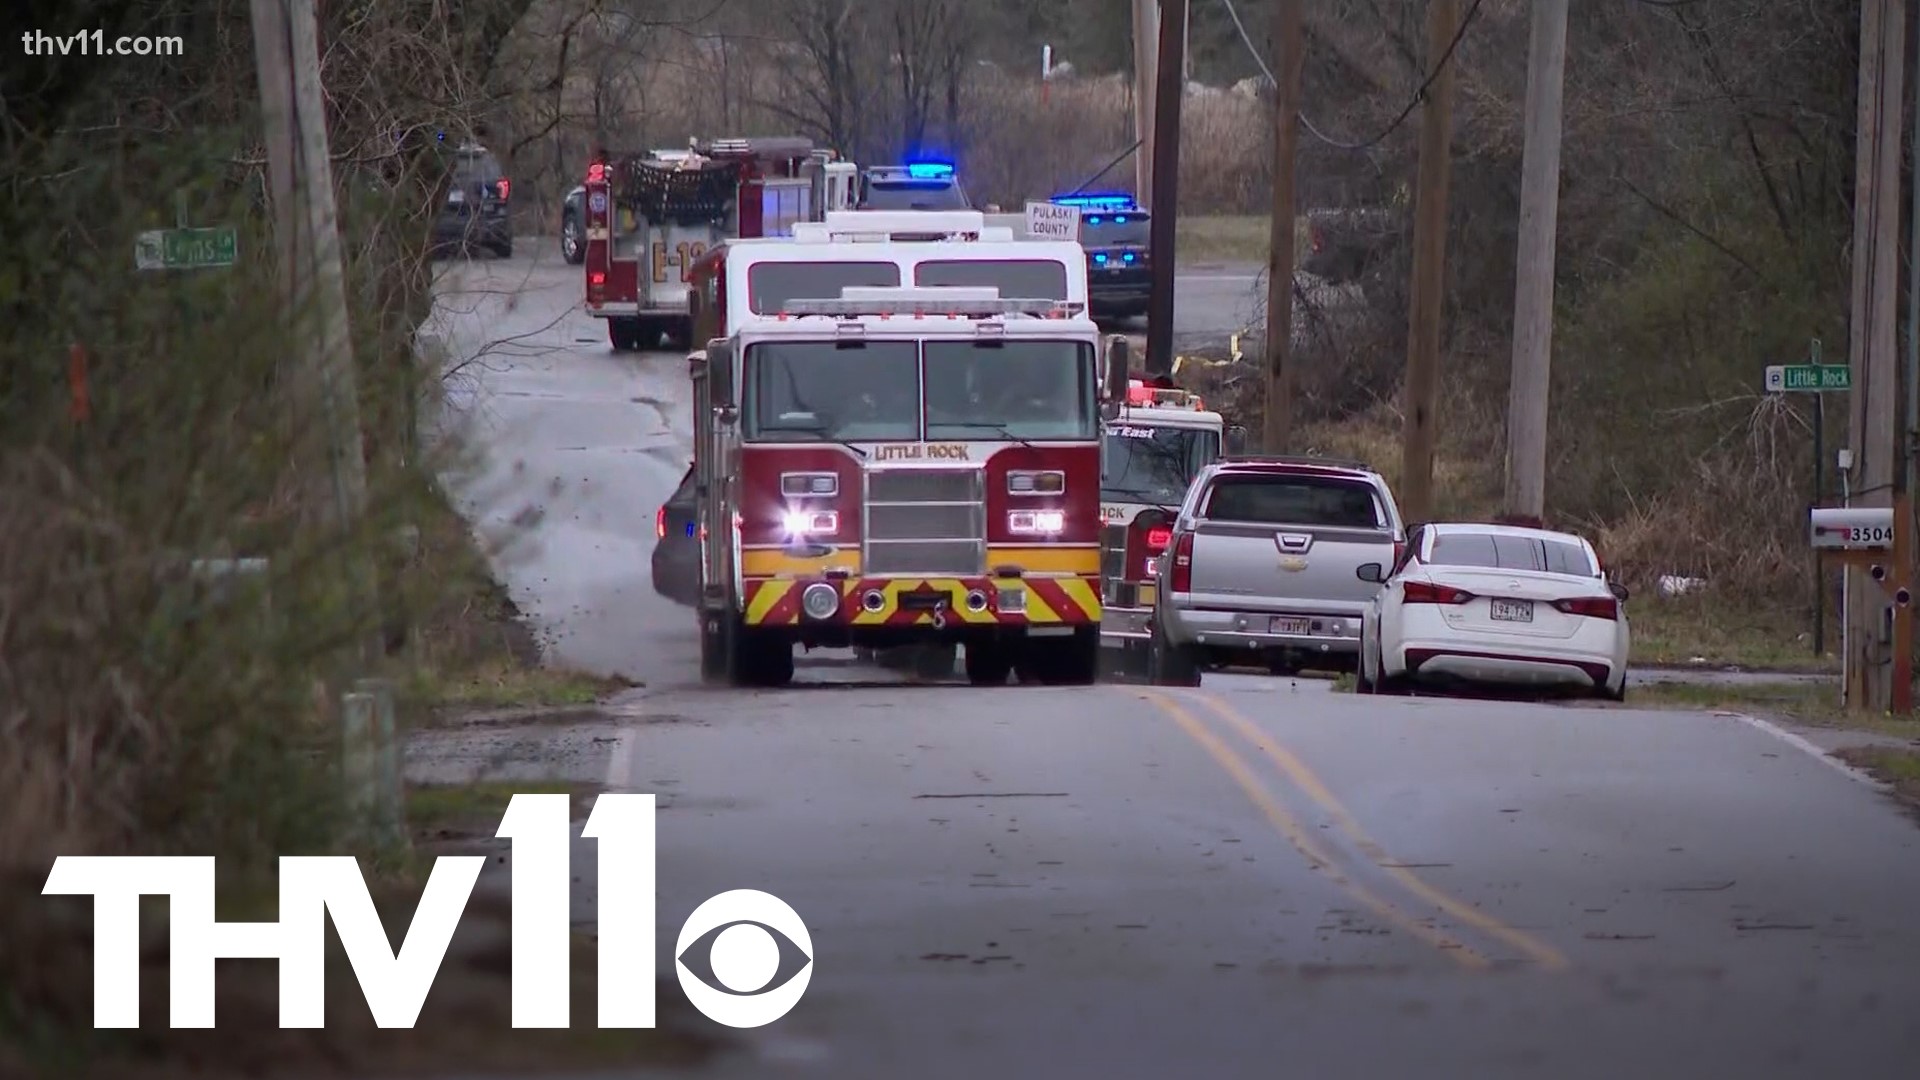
x=471, y=646
x=1708, y=631
x=1895, y=767
x=1230, y=238
x=1805, y=703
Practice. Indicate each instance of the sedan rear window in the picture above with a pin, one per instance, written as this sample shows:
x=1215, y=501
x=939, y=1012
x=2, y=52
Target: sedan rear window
x=1294, y=500
x=1494, y=551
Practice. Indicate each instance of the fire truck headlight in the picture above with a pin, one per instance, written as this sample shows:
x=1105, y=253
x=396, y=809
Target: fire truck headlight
x=820, y=600
x=811, y=522
x=1036, y=522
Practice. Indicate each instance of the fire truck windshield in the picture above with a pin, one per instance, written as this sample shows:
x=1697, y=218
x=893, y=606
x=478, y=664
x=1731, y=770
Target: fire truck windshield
x=1011, y=389
x=823, y=391
x=1142, y=463
x=817, y=390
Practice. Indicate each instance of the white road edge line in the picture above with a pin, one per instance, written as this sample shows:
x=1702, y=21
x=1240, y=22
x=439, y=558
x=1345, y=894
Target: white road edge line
x=620, y=765
x=1798, y=743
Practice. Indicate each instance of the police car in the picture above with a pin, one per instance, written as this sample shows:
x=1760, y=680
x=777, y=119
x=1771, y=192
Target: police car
x=923, y=185
x=1114, y=230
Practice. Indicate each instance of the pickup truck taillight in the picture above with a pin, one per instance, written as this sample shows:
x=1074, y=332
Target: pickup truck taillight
x=660, y=524
x=1147, y=538
x=1183, y=563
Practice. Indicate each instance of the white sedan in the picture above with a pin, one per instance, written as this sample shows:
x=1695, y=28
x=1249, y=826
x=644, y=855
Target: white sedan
x=1494, y=604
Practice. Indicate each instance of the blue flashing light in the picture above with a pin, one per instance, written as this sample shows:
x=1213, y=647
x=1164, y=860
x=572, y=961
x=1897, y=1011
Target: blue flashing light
x=1119, y=219
x=1094, y=220
x=1128, y=257
x=1101, y=258
x=929, y=170
x=1112, y=200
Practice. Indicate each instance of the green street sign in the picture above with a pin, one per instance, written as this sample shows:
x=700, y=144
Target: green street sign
x=1808, y=378
x=186, y=249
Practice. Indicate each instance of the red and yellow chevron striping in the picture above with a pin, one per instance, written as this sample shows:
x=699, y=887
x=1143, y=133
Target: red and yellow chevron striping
x=1047, y=601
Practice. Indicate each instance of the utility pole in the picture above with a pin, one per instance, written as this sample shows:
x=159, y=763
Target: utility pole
x=286, y=45
x=1146, y=23
x=1168, y=88
x=1533, y=287
x=1288, y=50
x=1875, y=645
x=1429, y=268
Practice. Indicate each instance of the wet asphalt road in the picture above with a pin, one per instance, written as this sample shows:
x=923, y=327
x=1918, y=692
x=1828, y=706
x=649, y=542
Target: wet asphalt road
x=1256, y=878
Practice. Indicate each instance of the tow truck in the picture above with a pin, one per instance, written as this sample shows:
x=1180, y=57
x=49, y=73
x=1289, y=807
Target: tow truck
x=651, y=217
x=1154, y=444
x=897, y=444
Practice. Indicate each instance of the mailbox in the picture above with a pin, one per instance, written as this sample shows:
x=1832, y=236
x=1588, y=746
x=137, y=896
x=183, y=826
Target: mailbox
x=1858, y=528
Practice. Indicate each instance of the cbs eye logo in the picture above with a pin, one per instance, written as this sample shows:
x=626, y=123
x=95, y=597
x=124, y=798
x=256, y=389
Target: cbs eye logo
x=744, y=958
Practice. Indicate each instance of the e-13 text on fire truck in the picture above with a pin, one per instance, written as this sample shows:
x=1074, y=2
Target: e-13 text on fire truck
x=897, y=442
x=651, y=217
x=1157, y=439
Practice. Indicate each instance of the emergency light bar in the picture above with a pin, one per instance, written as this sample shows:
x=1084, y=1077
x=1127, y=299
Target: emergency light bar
x=929, y=170
x=969, y=301
x=1105, y=202
x=1139, y=393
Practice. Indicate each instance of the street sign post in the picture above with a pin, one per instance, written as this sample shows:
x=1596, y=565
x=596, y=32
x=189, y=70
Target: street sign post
x=1813, y=377
x=1052, y=221
x=186, y=249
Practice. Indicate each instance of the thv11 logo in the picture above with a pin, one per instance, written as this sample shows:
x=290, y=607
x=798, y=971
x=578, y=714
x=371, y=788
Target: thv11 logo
x=742, y=930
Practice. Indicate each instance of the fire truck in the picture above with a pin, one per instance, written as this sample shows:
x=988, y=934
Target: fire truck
x=651, y=217
x=1155, y=442
x=897, y=443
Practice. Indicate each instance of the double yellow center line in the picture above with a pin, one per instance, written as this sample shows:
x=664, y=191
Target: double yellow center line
x=1302, y=839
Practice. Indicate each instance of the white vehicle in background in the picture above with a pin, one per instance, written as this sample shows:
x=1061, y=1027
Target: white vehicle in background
x=1495, y=604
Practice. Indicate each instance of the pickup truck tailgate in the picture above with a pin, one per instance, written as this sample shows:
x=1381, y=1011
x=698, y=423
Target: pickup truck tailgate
x=1262, y=566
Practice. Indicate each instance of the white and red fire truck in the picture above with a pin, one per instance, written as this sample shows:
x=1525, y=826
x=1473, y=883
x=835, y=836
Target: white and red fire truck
x=651, y=217
x=897, y=443
x=1155, y=444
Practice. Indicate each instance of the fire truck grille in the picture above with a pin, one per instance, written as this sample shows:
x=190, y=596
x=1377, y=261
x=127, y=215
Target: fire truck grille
x=1113, y=560
x=926, y=521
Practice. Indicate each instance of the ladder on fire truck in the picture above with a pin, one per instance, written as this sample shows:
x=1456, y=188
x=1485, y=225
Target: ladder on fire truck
x=953, y=301
x=888, y=226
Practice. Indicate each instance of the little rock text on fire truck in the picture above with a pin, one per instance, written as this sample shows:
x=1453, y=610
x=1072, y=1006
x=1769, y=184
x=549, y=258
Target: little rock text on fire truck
x=650, y=218
x=897, y=442
x=1156, y=441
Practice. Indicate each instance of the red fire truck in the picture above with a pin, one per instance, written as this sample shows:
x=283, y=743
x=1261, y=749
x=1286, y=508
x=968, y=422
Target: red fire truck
x=651, y=217
x=897, y=443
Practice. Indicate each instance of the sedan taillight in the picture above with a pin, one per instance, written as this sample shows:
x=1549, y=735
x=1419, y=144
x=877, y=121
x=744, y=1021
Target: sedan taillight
x=660, y=524
x=1593, y=607
x=1419, y=592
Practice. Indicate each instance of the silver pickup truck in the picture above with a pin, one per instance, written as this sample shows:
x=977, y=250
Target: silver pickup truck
x=1263, y=566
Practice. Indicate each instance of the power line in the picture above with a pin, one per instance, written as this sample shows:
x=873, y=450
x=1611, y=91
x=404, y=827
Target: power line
x=1419, y=95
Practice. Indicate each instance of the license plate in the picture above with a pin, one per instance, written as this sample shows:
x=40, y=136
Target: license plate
x=1294, y=627
x=1153, y=567
x=1512, y=610
x=456, y=196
